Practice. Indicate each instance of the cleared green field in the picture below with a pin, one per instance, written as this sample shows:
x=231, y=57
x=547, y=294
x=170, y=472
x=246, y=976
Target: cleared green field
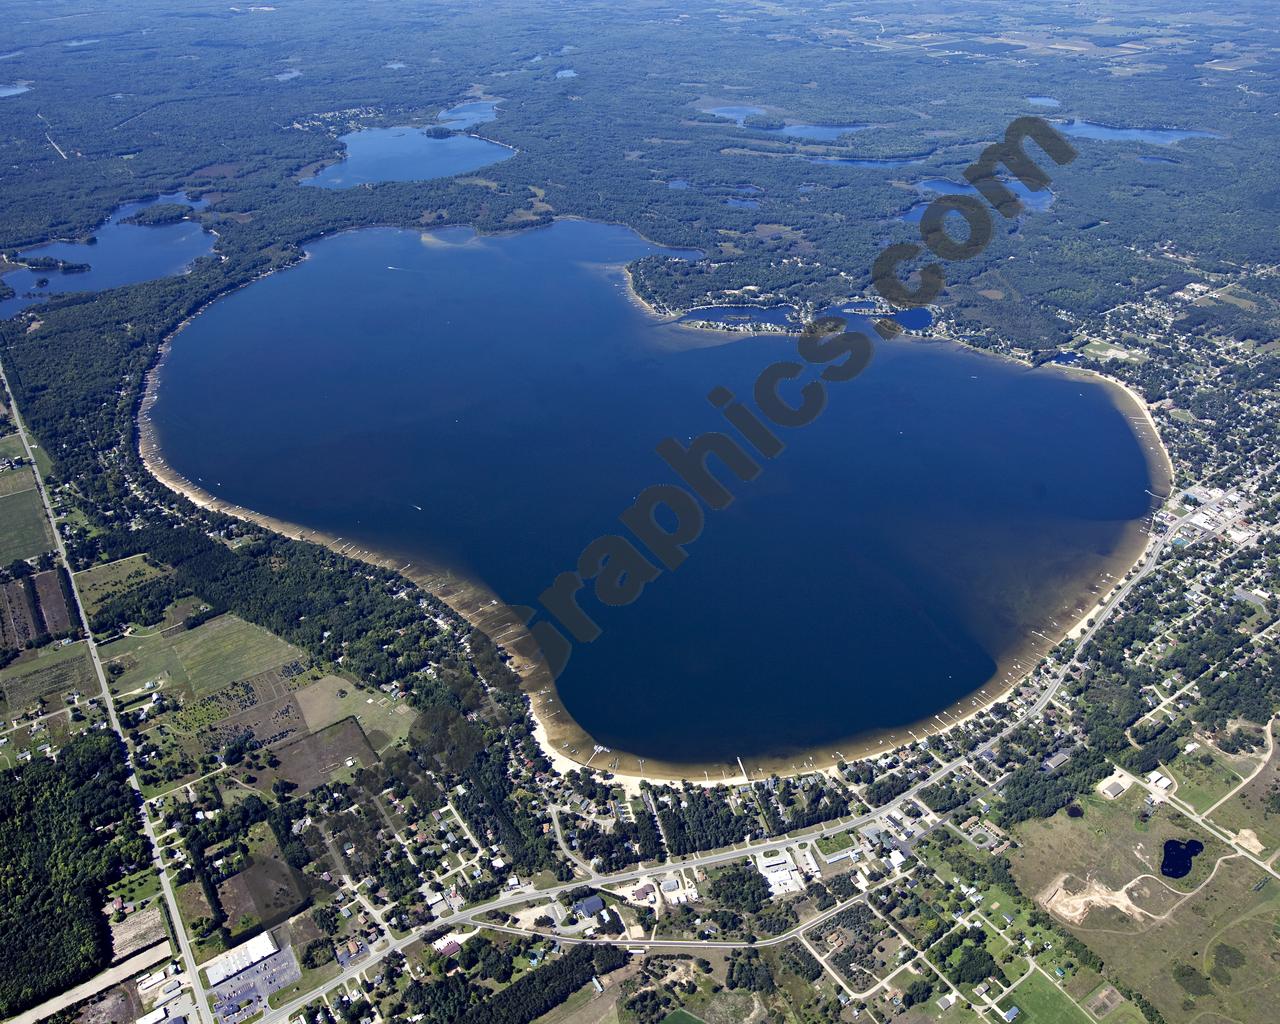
x=1042, y=1002
x=383, y=720
x=57, y=671
x=24, y=531
x=681, y=1017
x=199, y=661
x=11, y=447
x=1202, y=779
x=103, y=582
x=12, y=481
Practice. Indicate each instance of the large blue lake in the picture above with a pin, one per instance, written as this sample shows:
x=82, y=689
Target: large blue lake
x=492, y=404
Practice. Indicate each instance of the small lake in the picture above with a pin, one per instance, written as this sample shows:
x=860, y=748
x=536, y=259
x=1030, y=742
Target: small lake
x=375, y=155
x=742, y=204
x=1178, y=857
x=1037, y=202
x=468, y=115
x=738, y=114
x=1112, y=133
x=492, y=403
x=840, y=161
x=793, y=129
x=120, y=254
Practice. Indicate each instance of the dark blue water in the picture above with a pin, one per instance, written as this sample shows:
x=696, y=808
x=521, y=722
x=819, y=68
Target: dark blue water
x=406, y=154
x=121, y=254
x=743, y=204
x=1113, y=133
x=1178, y=857
x=493, y=404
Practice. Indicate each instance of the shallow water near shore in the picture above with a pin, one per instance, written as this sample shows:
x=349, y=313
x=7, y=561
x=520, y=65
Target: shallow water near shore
x=491, y=404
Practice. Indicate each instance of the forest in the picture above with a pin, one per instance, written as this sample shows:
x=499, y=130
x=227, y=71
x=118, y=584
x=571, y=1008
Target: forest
x=68, y=830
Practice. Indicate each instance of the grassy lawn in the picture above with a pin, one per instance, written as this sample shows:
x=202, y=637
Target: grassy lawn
x=1042, y=1002
x=836, y=843
x=103, y=582
x=312, y=978
x=11, y=447
x=24, y=531
x=13, y=481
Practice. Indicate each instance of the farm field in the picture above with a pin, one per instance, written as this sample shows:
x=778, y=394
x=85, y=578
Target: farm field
x=52, y=673
x=196, y=662
x=100, y=583
x=24, y=531
x=383, y=720
x=320, y=757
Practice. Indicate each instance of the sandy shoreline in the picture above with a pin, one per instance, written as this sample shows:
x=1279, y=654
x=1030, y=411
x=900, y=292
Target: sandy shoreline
x=564, y=742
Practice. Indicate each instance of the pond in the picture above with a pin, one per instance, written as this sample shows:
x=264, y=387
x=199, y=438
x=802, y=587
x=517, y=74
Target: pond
x=375, y=155
x=119, y=254
x=492, y=404
x=1178, y=857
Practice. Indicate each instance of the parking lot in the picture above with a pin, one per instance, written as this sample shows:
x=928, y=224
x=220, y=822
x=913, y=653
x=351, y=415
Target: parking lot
x=240, y=997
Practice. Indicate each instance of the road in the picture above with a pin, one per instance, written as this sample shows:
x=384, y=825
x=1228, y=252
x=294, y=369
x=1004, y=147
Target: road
x=188, y=958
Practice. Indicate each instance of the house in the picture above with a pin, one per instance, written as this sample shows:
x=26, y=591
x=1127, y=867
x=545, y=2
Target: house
x=1011, y=1014
x=947, y=1001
